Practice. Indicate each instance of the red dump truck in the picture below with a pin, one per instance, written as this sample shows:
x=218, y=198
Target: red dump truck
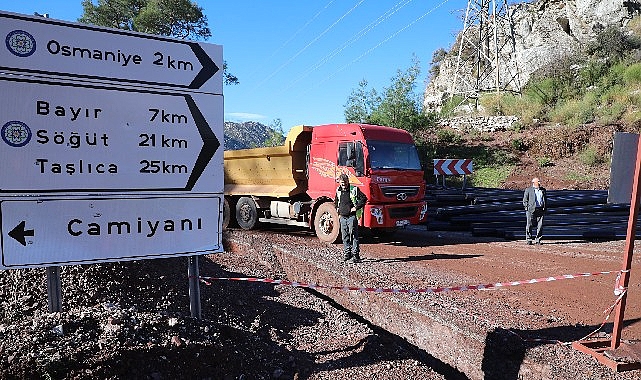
x=295, y=183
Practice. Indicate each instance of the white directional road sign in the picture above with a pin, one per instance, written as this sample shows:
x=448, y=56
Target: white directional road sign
x=59, y=136
x=42, y=46
x=38, y=233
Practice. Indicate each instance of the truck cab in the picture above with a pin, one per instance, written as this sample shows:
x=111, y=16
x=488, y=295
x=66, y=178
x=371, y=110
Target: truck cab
x=382, y=161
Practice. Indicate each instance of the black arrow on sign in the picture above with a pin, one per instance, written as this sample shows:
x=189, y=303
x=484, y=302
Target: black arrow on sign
x=209, y=67
x=210, y=143
x=208, y=70
x=19, y=233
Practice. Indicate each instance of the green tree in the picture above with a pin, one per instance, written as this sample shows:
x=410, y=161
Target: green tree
x=360, y=104
x=400, y=106
x=613, y=44
x=176, y=18
x=275, y=133
x=435, y=66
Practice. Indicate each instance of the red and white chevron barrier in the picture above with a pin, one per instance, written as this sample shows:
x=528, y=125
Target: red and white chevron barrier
x=207, y=280
x=453, y=166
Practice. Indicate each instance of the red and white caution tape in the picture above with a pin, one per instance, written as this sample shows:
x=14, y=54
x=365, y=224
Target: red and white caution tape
x=207, y=280
x=619, y=292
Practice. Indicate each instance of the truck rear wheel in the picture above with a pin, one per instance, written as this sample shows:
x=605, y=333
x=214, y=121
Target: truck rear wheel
x=326, y=223
x=246, y=213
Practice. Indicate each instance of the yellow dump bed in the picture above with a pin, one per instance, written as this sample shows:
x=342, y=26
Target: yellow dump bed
x=271, y=171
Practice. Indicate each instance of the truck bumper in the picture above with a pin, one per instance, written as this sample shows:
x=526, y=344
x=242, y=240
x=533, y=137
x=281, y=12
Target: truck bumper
x=397, y=215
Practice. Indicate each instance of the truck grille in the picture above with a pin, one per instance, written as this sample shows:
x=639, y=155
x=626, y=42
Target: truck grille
x=394, y=191
x=402, y=212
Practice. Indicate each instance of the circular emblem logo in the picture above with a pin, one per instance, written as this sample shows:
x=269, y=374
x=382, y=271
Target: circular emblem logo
x=20, y=43
x=16, y=133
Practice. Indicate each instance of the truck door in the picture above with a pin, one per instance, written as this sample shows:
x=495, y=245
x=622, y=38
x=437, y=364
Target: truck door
x=326, y=164
x=322, y=170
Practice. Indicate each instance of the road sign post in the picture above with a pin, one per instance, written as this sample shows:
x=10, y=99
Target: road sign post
x=69, y=137
x=68, y=231
x=54, y=290
x=39, y=46
x=194, y=287
x=111, y=147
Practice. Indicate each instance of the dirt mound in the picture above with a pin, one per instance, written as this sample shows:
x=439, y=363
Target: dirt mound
x=563, y=157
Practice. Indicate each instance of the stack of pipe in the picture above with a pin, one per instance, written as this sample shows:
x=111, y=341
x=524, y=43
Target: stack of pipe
x=571, y=214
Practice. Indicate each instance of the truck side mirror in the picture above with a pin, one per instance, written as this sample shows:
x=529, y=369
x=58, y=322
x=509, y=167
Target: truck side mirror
x=351, y=151
x=359, y=160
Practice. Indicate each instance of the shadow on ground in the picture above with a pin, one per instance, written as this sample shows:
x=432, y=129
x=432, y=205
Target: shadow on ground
x=505, y=349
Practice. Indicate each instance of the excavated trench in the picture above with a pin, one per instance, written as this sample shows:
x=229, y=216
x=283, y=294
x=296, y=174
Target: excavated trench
x=509, y=333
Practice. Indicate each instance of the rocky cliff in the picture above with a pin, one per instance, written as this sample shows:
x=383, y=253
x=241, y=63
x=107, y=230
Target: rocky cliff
x=544, y=31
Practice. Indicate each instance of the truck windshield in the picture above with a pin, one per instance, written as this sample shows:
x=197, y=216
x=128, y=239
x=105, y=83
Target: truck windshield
x=393, y=155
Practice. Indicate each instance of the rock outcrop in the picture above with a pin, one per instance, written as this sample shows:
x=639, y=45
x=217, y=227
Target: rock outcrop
x=544, y=31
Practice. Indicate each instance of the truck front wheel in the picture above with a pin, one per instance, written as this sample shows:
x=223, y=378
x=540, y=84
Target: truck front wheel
x=246, y=213
x=326, y=223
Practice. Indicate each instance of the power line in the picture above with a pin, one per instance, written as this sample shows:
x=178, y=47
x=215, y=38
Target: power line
x=377, y=46
x=308, y=45
x=390, y=12
x=295, y=34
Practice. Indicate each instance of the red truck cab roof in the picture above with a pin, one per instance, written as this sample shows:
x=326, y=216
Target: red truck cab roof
x=366, y=131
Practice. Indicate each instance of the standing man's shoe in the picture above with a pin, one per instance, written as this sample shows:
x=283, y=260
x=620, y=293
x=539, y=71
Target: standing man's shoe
x=529, y=242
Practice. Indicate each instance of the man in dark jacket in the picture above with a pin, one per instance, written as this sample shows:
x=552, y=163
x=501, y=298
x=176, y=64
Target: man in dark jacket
x=349, y=203
x=534, y=202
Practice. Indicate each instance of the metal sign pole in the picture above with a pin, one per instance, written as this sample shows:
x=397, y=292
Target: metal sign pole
x=194, y=287
x=624, y=279
x=54, y=291
x=597, y=348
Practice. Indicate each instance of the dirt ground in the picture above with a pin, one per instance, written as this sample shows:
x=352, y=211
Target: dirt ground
x=541, y=315
x=581, y=300
x=131, y=320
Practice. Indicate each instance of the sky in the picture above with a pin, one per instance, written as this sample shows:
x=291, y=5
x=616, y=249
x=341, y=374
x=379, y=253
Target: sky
x=299, y=60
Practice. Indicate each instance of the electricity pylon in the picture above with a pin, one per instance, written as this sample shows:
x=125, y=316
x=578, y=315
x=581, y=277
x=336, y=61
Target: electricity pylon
x=486, y=51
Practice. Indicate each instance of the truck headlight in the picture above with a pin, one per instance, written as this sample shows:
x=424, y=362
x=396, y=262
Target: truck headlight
x=423, y=210
x=377, y=213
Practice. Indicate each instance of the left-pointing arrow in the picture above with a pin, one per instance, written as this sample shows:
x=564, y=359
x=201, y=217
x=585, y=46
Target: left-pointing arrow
x=19, y=233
